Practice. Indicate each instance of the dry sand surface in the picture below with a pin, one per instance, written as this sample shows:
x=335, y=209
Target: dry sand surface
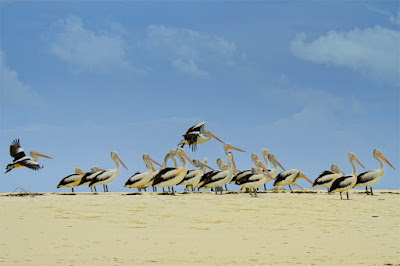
x=200, y=229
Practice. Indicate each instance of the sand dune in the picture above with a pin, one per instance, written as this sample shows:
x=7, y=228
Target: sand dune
x=200, y=228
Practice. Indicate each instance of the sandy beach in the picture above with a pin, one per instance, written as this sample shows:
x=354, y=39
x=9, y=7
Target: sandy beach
x=200, y=229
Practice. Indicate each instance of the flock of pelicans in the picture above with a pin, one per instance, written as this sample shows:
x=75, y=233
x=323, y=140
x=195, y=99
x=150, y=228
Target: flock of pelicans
x=259, y=174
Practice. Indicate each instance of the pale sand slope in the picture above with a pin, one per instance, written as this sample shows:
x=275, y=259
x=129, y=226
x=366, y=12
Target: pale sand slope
x=200, y=228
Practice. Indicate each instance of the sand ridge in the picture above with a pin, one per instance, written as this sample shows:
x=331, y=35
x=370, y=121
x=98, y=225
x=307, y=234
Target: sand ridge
x=200, y=228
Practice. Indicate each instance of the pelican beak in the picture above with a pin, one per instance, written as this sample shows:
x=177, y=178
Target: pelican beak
x=42, y=155
x=81, y=172
x=355, y=159
x=117, y=157
x=183, y=153
x=215, y=137
x=230, y=147
x=306, y=178
x=151, y=160
x=384, y=158
x=265, y=169
x=279, y=164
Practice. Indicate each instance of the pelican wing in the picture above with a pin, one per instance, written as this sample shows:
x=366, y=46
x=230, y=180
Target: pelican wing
x=164, y=175
x=243, y=177
x=88, y=177
x=239, y=176
x=28, y=162
x=190, y=174
x=214, y=176
x=196, y=128
x=68, y=180
x=16, y=150
x=324, y=177
x=341, y=182
x=101, y=177
x=283, y=175
x=365, y=177
x=135, y=178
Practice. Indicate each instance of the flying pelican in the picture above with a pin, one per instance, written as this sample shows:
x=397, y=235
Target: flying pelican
x=218, y=178
x=168, y=177
x=345, y=183
x=370, y=178
x=286, y=178
x=197, y=134
x=21, y=160
x=138, y=180
x=109, y=175
x=326, y=178
x=193, y=176
x=88, y=177
x=72, y=180
x=255, y=178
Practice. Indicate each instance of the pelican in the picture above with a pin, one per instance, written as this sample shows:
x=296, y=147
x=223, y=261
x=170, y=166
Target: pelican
x=72, y=180
x=21, y=160
x=239, y=175
x=269, y=157
x=286, y=178
x=218, y=178
x=221, y=164
x=197, y=134
x=255, y=178
x=168, y=177
x=168, y=156
x=193, y=176
x=109, y=175
x=345, y=183
x=89, y=176
x=326, y=178
x=138, y=180
x=370, y=178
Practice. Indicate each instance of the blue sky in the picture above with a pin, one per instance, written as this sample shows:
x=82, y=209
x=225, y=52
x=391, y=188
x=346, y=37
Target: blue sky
x=309, y=81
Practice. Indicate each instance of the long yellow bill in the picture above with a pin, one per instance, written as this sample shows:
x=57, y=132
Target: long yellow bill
x=386, y=160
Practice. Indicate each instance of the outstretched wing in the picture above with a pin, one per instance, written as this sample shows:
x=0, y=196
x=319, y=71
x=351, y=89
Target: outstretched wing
x=196, y=128
x=27, y=162
x=16, y=150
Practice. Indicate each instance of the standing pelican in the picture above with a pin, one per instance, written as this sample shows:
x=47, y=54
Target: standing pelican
x=218, y=178
x=286, y=178
x=72, y=180
x=345, y=183
x=138, y=180
x=89, y=176
x=193, y=176
x=109, y=175
x=21, y=160
x=168, y=156
x=254, y=179
x=239, y=175
x=370, y=178
x=168, y=177
x=269, y=157
x=326, y=178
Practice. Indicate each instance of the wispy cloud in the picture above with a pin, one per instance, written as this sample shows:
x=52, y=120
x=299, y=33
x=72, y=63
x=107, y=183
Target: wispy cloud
x=15, y=92
x=374, y=52
x=102, y=50
x=393, y=18
x=189, y=51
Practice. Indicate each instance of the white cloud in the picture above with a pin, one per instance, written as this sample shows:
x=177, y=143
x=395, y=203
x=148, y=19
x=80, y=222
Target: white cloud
x=95, y=51
x=189, y=51
x=374, y=52
x=395, y=19
x=14, y=92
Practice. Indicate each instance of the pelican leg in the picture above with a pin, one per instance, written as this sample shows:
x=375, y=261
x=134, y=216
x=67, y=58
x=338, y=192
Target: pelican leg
x=265, y=187
x=173, y=192
x=366, y=190
x=107, y=187
x=255, y=192
x=72, y=189
x=91, y=189
x=328, y=190
x=347, y=194
x=95, y=190
x=226, y=188
x=169, y=189
x=104, y=188
x=163, y=189
x=371, y=191
x=291, y=191
x=145, y=189
x=340, y=195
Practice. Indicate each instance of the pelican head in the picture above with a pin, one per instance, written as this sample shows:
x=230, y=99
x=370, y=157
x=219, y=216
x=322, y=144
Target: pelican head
x=180, y=152
x=147, y=157
x=335, y=168
x=219, y=161
x=378, y=153
x=260, y=165
x=302, y=175
x=254, y=158
x=264, y=152
x=228, y=146
x=35, y=154
x=272, y=158
x=114, y=156
x=208, y=133
x=352, y=157
x=79, y=171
